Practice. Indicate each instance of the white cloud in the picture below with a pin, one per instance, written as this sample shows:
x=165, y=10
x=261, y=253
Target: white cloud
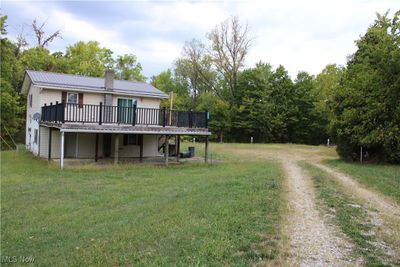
x=301, y=35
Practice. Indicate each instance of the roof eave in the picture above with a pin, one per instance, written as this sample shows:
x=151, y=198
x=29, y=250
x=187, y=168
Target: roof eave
x=101, y=91
x=26, y=83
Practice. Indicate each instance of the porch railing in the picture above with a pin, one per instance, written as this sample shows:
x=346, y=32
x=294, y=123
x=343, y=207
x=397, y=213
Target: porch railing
x=99, y=114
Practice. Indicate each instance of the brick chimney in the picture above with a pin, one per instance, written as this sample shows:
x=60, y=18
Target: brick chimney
x=109, y=80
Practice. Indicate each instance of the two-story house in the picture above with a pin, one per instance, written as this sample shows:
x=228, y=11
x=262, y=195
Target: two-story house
x=73, y=116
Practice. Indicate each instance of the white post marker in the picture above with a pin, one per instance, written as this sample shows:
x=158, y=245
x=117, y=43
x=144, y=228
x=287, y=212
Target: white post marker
x=62, y=151
x=251, y=140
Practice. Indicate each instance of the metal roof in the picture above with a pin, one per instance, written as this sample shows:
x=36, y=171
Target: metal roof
x=71, y=81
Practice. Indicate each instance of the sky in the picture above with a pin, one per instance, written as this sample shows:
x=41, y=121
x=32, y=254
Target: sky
x=301, y=35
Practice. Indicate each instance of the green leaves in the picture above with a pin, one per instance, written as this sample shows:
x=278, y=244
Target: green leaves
x=367, y=104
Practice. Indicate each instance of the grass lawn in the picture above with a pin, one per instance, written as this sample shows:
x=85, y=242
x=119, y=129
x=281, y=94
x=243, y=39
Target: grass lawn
x=348, y=214
x=383, y=178
x=186, y=215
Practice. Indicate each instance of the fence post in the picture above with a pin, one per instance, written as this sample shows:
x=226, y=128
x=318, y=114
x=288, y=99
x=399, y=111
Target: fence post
x=206, y=121
x=63, y=107
x=134, y=115
x=56, y=111
x=51, y=112
x=100, y=113
x=164, y=118
x=43, y=112
x=190, y=118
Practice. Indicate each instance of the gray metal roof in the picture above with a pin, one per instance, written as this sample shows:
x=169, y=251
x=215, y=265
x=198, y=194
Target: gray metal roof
x=61, y=80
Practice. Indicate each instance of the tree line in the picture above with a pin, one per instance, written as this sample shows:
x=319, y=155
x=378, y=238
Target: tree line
x=357, y=105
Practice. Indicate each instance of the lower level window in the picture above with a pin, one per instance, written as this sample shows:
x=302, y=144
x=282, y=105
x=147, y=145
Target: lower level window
x=130, y=139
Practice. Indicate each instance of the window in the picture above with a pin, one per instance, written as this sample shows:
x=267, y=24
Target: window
x=30, y=100
x=72, y=98
x=35, y=136
x=131, y=139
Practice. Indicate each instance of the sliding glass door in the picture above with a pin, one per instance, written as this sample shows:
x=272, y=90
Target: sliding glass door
x=126, y=110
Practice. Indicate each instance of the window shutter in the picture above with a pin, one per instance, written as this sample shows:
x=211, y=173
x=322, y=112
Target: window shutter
x=64, y=97
x=80, y=100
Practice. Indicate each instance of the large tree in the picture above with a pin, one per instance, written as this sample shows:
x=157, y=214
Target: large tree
x=89, y=58
x=11, y=107
x=127, y=67
x=195, y=67
x=366, y=106
x=230, y=44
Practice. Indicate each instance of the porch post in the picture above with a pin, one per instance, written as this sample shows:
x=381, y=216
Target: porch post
x=141, y=147
x=177, y=146
x=206, y=151
x=62, y=151
x=166, y=150
x=116, y=149
x=96, y=152
x=50, y=136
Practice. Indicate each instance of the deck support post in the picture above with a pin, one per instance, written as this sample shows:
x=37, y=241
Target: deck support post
x=50, y=136
x=177, y=147
x=166, y=150
x=96, y=152
x=206, y=151
x=62, y=151
x=116, y=149
x=141, y=147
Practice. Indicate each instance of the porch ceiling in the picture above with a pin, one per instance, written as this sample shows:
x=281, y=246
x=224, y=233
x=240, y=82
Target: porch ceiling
x=127, y=129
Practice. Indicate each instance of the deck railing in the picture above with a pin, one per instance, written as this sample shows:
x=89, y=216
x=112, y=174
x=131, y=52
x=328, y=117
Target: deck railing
x=99, y=114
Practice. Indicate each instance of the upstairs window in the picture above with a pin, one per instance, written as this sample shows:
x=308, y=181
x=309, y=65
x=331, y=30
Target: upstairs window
x=72, y=98
x=30, y=100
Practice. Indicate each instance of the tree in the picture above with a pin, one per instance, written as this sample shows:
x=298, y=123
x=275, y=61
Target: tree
x=88, y=58
x=251, y=118
x=11, y=110
x=195, y=67
x=366, y=106
x=311, y=124
x=229, y=46
x=42, y=39
x=168, y=83
x=128, y=68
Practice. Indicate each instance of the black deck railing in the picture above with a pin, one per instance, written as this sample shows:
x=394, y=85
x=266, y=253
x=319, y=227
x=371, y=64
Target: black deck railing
x=99, y=114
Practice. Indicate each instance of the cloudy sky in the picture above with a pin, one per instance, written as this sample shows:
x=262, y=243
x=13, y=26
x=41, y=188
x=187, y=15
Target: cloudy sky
x=301, y=35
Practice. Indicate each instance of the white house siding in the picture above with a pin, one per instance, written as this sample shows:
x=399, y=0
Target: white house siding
x=32, y=120
x=49, y=96
x=142, y=102
x=86, y=143
x=93, y=99
x=44, y=142
x=55, y=144
x=150, y=145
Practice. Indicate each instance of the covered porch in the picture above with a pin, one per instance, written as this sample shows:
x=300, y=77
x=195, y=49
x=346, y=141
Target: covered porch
x=67, y=142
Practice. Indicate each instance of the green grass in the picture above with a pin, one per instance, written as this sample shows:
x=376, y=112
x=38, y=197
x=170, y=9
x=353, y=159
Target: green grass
x=383, y=178
x=186, y=215
x=348, y=214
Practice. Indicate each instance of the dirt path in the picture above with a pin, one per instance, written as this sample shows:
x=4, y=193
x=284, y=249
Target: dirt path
x=384, y=212
x=313, y=242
